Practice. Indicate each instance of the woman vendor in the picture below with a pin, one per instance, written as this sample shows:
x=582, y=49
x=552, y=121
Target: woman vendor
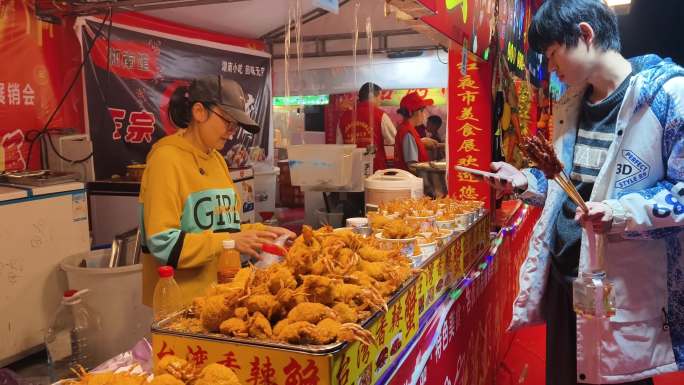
x=189, y=203
x=409, y=147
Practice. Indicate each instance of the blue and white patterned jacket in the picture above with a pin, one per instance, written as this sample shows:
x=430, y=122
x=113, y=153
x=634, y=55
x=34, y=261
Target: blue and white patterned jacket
x=642, y=180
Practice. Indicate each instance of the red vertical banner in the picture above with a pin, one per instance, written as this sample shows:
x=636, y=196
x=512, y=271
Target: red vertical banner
x=470, y=127
x=40, y=60
x=333, y=111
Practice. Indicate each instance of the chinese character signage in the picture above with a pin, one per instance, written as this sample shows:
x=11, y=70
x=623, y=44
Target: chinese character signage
x=469, y=134
x=128, y=106
x=39, y=62
x=515, y=17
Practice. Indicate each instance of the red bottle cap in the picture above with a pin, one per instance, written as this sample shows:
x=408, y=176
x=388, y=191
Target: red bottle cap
x=165, y=271
x=273, y=249
x=70, y=293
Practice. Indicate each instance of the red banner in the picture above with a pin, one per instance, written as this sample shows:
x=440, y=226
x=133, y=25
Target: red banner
x=464, y=20
x=469, y=340
x=127, y=59
x=470, y=122
x=40, y=60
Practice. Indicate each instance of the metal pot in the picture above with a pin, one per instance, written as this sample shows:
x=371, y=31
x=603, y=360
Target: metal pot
x=135, y=171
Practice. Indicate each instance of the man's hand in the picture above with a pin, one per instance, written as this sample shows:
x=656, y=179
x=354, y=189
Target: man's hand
x=507, y=178
x=599, y=217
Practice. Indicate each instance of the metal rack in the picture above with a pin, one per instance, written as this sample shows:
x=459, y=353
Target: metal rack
x=54, y=10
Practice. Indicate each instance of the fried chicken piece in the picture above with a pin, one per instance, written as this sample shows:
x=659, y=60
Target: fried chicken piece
x=377, y=221
x=280, y=326
x=216, y=309
x=372, y=254
x=379, y=271
x=329, y=330
x=345, y=313
x=319, y=288
x=310, y=312
x=298, y=333
x=198, y=304
x=289, y=298
x=398, y=229
x=234, y=327
x=280, y=277
x=242, y=313
x=359, y=297
x=361, y=278
x=259, y=327
x=263, y=303
x=217, y=374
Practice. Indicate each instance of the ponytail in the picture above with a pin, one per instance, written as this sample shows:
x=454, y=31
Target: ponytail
x=180, y=107
x=404, y=113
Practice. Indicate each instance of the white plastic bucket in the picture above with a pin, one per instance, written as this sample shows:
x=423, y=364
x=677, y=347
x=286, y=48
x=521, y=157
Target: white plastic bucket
x=332, y=219
x=320, y=165
x=265, y=182
x=116, y=295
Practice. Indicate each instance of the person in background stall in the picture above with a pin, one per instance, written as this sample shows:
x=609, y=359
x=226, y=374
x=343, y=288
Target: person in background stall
x=619, y=131
x=367, y=124
x=434, y=123
x=409, y=147
x=189, y=204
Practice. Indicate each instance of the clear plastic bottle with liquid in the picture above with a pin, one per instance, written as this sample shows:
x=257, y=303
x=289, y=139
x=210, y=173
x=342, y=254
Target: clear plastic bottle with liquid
x=593, y=295
x=229, y=262
x=167, y=298
x=71, y=338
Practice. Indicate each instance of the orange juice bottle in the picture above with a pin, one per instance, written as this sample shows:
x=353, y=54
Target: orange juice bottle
x=229, y=262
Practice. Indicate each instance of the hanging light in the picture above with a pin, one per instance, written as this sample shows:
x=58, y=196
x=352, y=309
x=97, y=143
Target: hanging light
x=616, y=3
x=621, y=7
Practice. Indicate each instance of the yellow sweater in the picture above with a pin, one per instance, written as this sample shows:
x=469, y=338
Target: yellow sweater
x=188, y=207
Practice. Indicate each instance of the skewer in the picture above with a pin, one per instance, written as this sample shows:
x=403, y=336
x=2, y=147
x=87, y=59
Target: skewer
x=572, y=192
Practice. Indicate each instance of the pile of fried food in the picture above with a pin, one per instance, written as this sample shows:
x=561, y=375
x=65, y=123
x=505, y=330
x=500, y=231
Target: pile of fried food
x=444, y=209
x=415, y=207
x=170, y=370
x=328, y=283
x=391, y=227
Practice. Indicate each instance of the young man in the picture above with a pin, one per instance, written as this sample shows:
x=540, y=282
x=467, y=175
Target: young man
x=619, y=131
x=367, y=124
x=434, y=123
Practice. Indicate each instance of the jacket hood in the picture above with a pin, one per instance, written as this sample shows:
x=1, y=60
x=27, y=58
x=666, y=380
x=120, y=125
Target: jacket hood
x=179, y=142
x=652, y=72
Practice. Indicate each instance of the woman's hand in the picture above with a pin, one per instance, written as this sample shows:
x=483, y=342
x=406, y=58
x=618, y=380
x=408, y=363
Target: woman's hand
x=249, y=242
x=281, y=231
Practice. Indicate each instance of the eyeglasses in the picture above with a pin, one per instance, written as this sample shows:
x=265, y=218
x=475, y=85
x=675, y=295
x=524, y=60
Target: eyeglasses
x=230, y=124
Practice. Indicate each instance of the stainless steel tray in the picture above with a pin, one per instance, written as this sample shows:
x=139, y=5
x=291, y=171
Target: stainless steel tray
x=161, y=328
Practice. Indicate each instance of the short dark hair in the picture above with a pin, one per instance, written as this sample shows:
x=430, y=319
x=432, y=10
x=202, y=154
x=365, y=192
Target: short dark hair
x=435, y=120
x=557, y=21
x=365, y=90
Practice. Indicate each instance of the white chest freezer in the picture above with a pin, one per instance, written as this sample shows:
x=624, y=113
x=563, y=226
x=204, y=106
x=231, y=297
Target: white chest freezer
x=39, y=227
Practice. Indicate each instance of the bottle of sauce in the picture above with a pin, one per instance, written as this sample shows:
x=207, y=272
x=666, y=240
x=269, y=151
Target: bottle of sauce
x=229, y=262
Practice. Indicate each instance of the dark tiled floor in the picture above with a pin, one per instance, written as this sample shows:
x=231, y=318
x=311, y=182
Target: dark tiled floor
x=32, y=370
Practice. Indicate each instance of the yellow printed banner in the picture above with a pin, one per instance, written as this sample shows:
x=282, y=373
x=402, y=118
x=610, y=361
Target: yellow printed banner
x=355, y=363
